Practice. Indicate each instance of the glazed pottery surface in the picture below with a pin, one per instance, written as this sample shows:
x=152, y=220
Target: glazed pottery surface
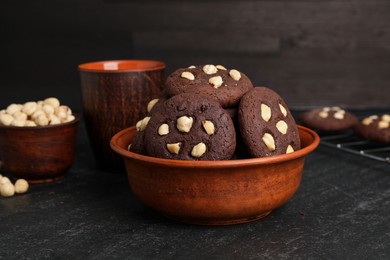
x=214, y=192
x=114, y=96
x=39, y=153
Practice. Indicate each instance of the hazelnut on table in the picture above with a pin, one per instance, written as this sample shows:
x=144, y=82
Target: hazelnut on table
x=7, y=189
x=21, y=186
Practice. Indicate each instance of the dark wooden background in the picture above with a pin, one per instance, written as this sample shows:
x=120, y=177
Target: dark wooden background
x=313, y=53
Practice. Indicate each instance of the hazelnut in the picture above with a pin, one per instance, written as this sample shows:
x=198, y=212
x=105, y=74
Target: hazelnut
x=208, y=127
x=269, y=142
x=187, y=75
x=13, y=108
x=216, y=81
x=54, y=102
x=40, y=104
x=383, y=124
x=42, y=120
x=54, y=120
x=163, y=129
x=283, y=110
x=6, y=119
x=339, y=114
x=368, y=120
x=386, y=117
x=282, y=126
x=62, y=112
x=21, y=186
x=220, y=67
x=265, y=112
x=18, y=122
x=138, y=125
x=48, y=109
x=4, y=180
x=198, y=150
x=235, y=74
x=141, y=125
x=184, y=123
x=29, y=107
x=323, y=114
x=37, y=113
x=151, y=104
x=209, y=69
x=20, y=115
x=174, y=148
x=192, y=67
x=289, y=149
x=7, y=189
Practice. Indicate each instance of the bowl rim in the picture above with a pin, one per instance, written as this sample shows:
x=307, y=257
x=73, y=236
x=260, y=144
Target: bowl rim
x=217, y=163
x=22, y=128
x=93, y=66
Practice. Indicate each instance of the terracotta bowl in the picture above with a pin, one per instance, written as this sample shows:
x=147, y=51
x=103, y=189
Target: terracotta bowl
x=38, y=154
x=214, y=192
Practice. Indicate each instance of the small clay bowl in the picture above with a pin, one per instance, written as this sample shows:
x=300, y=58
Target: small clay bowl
x=214, y=192
x=40, y=153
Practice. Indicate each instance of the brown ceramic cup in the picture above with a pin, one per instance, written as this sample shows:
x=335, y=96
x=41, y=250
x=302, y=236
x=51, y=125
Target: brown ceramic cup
x=114, y=96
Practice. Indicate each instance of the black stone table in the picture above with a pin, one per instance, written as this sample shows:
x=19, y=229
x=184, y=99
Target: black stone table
x=341, y=210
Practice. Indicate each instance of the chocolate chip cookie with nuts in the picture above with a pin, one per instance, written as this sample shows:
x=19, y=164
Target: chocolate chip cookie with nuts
x=226, y=86
x=374, y=128
x=266, y=124
x=328, y=119
x=190, y=127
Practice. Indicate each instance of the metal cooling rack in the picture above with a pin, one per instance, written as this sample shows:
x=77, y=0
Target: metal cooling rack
x=349, y=142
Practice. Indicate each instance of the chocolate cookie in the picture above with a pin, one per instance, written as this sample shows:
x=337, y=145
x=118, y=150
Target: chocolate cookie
x=267, y=126
x=190, y=127
x=225, y=86
x=375, y=128
x=138, y=145
x=328, y=119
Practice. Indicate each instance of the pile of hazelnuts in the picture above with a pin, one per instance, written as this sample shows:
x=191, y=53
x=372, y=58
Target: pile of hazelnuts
x=40, y=113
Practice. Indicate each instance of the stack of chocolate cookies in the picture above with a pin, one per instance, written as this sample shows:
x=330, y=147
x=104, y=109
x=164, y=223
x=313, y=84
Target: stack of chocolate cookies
x=210, y=112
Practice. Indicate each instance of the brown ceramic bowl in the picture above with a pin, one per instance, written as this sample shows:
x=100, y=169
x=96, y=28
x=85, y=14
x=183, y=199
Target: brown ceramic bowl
x=40, y=153
x=214, y=192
